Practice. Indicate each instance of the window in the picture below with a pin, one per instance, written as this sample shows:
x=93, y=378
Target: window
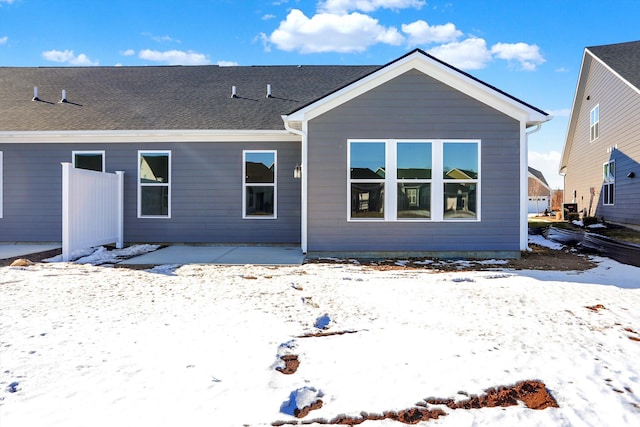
x=259, y=186
x=594, y=123
x=460, y=174
x=409, y=180
x=367, y=174
x=91, y=160
x=608, y=182
x=154, y=184
x=413, y=171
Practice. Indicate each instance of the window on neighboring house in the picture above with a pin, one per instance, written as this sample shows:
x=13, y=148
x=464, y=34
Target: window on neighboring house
x=259, y=169
x=1, y=184
x=608, y=182
x=91, y=160
x=154, y=184
x=594, y=123
x=405, y=180
x=460, y=176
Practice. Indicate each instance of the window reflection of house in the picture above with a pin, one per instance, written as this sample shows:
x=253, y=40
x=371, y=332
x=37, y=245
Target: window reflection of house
x=260, y=194
x=460, y=200
x=367, y=200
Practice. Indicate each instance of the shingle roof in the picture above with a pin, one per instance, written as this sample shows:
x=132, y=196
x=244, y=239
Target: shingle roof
x=172, y=98
x=145, y=98
x=538, y=174
x=623, y=58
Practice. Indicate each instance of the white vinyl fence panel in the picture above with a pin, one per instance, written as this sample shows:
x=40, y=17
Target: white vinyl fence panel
x=92, y=209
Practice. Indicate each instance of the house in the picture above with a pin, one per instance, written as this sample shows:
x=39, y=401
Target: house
x=601, y=156
x=412, y=157
x=539, y=192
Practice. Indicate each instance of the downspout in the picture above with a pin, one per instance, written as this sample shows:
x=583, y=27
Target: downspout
x=524, y=211
x=303, y=184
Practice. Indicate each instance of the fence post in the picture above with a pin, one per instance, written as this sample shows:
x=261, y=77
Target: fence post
x=120, y=215
x=66, y=226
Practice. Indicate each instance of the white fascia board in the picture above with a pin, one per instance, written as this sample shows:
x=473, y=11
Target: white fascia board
x=578, y=96
x=139, y=136
x=433, y=69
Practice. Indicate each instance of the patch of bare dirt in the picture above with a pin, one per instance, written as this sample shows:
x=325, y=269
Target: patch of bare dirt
x=34, y=258
x=324, y=334
x=291, y=364
x=539, y=258
x=303, y=412
x=532, y=393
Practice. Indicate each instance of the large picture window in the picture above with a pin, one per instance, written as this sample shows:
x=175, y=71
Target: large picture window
x=413, y=180
x=154, y=184
x=260, y=184
x=608, y=182
x=91, y=160
x=594, y=123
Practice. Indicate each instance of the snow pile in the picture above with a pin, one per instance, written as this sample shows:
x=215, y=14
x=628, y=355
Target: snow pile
x=195, y=345
x=101, y=255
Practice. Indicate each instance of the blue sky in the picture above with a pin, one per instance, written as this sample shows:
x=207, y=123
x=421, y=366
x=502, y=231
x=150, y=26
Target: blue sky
x=530, y=49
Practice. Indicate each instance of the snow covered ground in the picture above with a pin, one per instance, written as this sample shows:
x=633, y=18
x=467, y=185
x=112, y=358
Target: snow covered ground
x=198, y=345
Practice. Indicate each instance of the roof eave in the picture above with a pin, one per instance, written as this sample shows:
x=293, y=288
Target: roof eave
x=432, y=67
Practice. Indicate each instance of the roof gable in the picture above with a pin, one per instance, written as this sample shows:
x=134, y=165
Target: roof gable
x=536, y=174
x=435, y=68
x=620, y=59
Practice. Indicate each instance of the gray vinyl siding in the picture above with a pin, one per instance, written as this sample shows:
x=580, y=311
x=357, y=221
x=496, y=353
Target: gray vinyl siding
x=413, y=106
x=619, y=126
x=206, y=190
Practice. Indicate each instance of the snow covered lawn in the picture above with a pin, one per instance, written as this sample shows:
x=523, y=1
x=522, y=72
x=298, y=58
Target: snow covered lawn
x=199, y=345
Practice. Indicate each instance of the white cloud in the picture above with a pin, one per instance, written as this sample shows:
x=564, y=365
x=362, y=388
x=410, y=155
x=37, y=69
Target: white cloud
x=161, y=39
x=420, y=32
x=7, y=1
x=268, y=16
x=128, y=52
x=222, y=63
x=174, y=57
x=67, y=56
x=325, y=32
x=469, y=54
x=4, y=39
x=563, y=112
x=527, y=55
x=344, y=6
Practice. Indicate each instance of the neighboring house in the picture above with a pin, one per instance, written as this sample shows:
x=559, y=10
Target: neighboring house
x=601, y=155
x=411, y=157
x=539, y=192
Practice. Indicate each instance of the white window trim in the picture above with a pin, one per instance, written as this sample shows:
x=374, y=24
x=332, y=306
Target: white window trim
x=607, y=182
x=252, y=184
x=101, y=152
x=594, y=127
x=1, y=184
x=168, y=185
x=437, y=181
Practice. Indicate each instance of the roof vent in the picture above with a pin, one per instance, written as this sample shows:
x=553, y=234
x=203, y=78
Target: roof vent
x=233, y=92
x=64, y=97
x=35, y=94
x=268, y=91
